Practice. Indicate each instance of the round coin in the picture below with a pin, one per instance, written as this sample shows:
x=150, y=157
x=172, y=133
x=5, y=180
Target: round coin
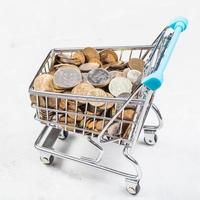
x=125, y=72
x=90, y=53
x=109, y=104
x=118, y=65
x=137, y=64
x=99, y=77
x=79, y=55
x=97, y=92
x=120, y=85
x=43, y=82
x=108, y=56
x=134, y=75
x=67, y=77
x=86, y=67
x=82, y=89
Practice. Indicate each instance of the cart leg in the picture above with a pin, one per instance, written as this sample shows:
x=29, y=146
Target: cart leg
x=49, y=141
x=63, y=135
x=132, y=184
x=150, y=137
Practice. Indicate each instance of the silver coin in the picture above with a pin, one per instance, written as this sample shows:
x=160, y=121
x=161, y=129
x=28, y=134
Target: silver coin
x=67, y=77
x=120, y=85
x=86, y=67
x=134, y=75
x=99, y=77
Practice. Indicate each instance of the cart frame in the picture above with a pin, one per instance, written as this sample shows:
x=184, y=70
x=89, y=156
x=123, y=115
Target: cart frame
x=157, y=56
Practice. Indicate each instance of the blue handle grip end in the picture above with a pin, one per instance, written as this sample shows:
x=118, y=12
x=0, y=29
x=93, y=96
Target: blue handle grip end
x=153, y=81
x=179, y=22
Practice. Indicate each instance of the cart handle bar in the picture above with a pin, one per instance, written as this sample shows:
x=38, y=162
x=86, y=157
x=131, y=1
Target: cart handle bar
x=155, y=80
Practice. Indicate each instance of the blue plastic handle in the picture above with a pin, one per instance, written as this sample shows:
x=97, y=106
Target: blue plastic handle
x=155, y=80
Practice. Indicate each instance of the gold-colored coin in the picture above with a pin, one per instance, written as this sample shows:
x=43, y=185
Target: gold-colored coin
x=118, y=65
x=76, y=114
x=92, y=110
x=108, y=56
x=128, y=114
x=68, y=119
x=79, y=55
x=97, y=92
x=109, y=104
x=82, y=89
x=61, y=58
x=95, y=60
x=126, y=130
x=137, y=64
x=67, y=104
x=91, y=125
x=100, y=124
x=43, y=82
x=90, y=53
x=41, y=101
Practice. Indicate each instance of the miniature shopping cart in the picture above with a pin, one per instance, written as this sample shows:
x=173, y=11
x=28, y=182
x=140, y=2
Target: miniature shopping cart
x=156, y=57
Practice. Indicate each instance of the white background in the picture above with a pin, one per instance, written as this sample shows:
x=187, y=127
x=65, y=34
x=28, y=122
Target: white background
x=28, y=30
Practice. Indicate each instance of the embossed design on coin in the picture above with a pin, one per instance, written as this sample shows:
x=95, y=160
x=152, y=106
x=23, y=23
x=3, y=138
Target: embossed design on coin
x=79, y=55
x=97, y=92
x=134, y=75
x=99, y=77
x=120, y=85
x=43, y=82
x=67, y=77
x=82, y=89
x=108, y=56
x=90, y=53
x=137, y=64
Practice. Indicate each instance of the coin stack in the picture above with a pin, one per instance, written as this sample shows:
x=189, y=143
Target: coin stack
x=89, y=72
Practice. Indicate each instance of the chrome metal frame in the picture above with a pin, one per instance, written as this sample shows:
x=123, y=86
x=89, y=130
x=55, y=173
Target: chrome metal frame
x=141, y=99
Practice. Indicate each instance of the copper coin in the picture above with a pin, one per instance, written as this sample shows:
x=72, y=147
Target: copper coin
x=43, y=82
x=137, y=64
x=90, y=53
x=97, y=92
x=79, y=55
x=108, y=56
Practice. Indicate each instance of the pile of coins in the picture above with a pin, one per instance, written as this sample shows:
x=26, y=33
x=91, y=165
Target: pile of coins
x=88, y=72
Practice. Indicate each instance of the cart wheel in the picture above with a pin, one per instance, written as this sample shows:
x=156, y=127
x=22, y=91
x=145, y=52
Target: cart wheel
x=133, y=188
x=63, y=135
x=47, y=160
x=150, y=139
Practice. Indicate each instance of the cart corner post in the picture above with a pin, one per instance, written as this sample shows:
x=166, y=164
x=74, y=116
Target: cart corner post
x=155, y=80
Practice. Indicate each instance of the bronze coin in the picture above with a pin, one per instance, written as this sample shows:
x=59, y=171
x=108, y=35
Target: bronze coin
x=108, y=56
x=90, y=53
x=137, y=64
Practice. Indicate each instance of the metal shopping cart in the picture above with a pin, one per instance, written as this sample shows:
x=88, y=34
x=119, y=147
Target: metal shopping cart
x=156, y=57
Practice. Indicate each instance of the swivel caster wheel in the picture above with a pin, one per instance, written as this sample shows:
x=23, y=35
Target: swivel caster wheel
x=133, y=187
x=150, y=138
x=47, y=160
x=63, y=135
